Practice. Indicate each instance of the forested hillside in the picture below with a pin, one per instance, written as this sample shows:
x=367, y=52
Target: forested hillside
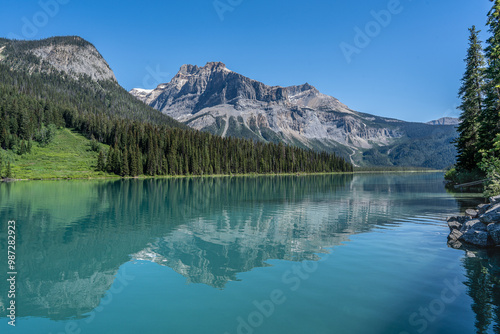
x=36, y=98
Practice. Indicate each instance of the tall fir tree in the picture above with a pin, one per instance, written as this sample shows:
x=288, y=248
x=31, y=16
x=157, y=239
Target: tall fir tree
x=101, y=164
x=133, y=162
x=139, y=166
x=490, y=120
x=471, y=93
x=125, y=167
x=109, y=164
x=8, y=173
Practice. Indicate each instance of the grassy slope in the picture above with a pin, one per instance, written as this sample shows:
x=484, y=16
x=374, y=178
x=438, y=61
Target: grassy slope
x=67, y=156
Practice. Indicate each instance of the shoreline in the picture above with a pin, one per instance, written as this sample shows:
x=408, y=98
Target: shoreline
x=145, y=177
x=479, y=227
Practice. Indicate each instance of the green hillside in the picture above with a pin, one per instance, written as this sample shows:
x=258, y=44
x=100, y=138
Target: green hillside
x=69, y=155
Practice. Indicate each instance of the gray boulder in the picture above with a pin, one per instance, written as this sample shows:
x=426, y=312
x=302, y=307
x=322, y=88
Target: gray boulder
x=495, y=199
x=455, y=244
x=475, y=237
x=475, y=232
x=482, y=208
x=493, y=208
x=455, y=235
x=479, y=227
x=474, y=224
x=471, y=213
x=491, y=216
x=454, y=224
x=494, y=232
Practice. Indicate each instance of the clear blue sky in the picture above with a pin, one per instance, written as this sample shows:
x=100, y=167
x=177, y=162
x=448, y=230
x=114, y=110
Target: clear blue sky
x=410, y=69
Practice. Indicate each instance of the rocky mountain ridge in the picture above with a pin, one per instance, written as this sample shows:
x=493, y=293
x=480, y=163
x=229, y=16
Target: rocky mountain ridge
x=445, y=121
x=71, y=55
x=215, y=99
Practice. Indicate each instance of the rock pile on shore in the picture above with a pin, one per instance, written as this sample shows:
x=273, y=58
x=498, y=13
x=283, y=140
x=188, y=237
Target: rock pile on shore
x=479, y=227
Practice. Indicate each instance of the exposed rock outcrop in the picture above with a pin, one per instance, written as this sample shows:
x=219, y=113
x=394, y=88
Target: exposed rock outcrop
x=71, y=55
x=445, y=121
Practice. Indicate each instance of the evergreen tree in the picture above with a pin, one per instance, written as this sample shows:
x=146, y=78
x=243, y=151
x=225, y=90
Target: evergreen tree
x=490, y=120
x=133, y=162
x=109, y=160
x=471, y=93
x=125, y=167
x=116, y=161
x=140, y=168
x=101, y=164
x=8, y=173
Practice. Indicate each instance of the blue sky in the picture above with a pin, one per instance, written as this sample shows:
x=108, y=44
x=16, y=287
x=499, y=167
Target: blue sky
x=406, y=65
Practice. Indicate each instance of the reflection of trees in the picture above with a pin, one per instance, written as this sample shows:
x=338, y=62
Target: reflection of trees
x=483, y=286
x=74, y=236
x=467, y=198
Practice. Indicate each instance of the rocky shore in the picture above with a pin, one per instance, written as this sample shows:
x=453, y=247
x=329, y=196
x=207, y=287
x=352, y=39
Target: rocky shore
x=479, y=227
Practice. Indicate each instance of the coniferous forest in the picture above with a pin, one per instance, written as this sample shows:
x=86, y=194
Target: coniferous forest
x=478, y=144
x=142, y=141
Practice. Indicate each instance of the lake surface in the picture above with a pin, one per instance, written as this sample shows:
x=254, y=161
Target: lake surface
x=313, y=254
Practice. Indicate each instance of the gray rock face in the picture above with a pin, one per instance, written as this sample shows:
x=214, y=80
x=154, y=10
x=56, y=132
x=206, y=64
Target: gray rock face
x=445, y=121
x=216, y=99
x=76, y=60
x=71, y=55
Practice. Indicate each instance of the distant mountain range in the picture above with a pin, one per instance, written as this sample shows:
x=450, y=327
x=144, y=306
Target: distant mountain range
x=445, y=121
x=215, y=99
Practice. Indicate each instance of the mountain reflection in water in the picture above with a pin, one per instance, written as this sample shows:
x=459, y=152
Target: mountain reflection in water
x=73, y=237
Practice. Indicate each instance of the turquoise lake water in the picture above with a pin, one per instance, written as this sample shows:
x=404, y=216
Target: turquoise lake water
x=309, y=254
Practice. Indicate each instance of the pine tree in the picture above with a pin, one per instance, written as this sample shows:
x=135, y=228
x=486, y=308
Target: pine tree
x=8, y=173
x=125, y=167
x=139, y=167
x=490, y=120
x=133, y=162
x=101, y=164
x=471, y=93
x=116, y=161
x=109, y=160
